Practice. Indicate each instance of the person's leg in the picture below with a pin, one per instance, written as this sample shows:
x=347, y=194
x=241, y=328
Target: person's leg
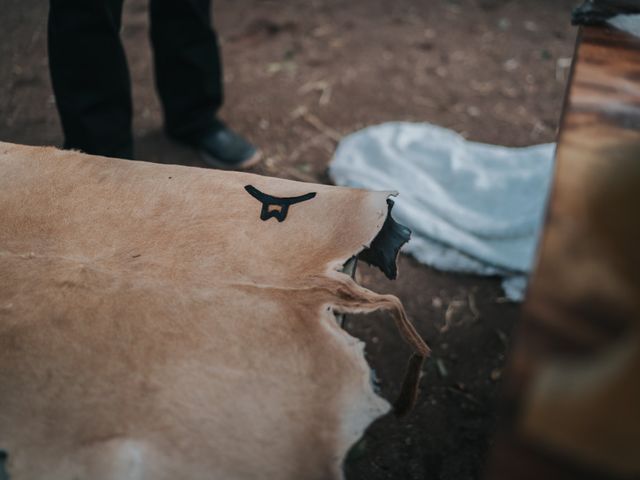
x=187, y=66
x=90, y=77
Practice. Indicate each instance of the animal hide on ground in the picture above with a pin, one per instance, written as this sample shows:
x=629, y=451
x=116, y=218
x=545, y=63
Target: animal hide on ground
x=163, y=322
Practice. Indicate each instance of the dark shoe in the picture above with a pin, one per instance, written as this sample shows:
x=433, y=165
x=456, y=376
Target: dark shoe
x=225, y=149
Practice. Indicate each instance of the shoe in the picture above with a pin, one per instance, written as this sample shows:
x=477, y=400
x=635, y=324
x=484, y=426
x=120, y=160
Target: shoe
x=225, y=149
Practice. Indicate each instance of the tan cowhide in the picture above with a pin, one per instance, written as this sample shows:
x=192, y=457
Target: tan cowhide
x=152, y=326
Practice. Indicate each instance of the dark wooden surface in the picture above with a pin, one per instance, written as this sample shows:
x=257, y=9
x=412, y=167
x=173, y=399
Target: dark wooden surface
x=584, y=297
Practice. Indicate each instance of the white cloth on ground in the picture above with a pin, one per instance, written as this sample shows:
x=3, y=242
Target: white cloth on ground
x=626, y=23
x=472, y=207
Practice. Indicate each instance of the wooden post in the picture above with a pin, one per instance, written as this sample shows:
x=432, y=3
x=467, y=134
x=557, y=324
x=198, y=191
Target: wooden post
x=571, y=406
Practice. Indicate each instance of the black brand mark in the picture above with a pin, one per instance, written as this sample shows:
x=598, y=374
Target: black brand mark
x=274, y=206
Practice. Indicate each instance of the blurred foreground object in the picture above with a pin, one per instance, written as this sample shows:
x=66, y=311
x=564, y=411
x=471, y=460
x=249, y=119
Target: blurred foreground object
x=573, y=392
x=167, y=322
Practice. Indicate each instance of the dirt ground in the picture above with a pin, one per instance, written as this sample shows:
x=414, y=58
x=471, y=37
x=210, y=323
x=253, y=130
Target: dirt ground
x=299, y=75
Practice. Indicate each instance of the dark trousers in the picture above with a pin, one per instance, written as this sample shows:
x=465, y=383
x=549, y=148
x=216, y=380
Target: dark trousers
x=91, y=80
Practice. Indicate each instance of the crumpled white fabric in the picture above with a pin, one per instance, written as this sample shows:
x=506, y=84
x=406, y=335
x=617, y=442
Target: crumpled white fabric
x=472, y=207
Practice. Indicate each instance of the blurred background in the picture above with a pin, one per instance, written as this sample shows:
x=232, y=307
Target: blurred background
x=299, y=75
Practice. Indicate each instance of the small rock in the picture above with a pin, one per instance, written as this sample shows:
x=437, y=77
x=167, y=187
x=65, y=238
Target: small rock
x=504, y=23
x=473, y=111
x=511, y=65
